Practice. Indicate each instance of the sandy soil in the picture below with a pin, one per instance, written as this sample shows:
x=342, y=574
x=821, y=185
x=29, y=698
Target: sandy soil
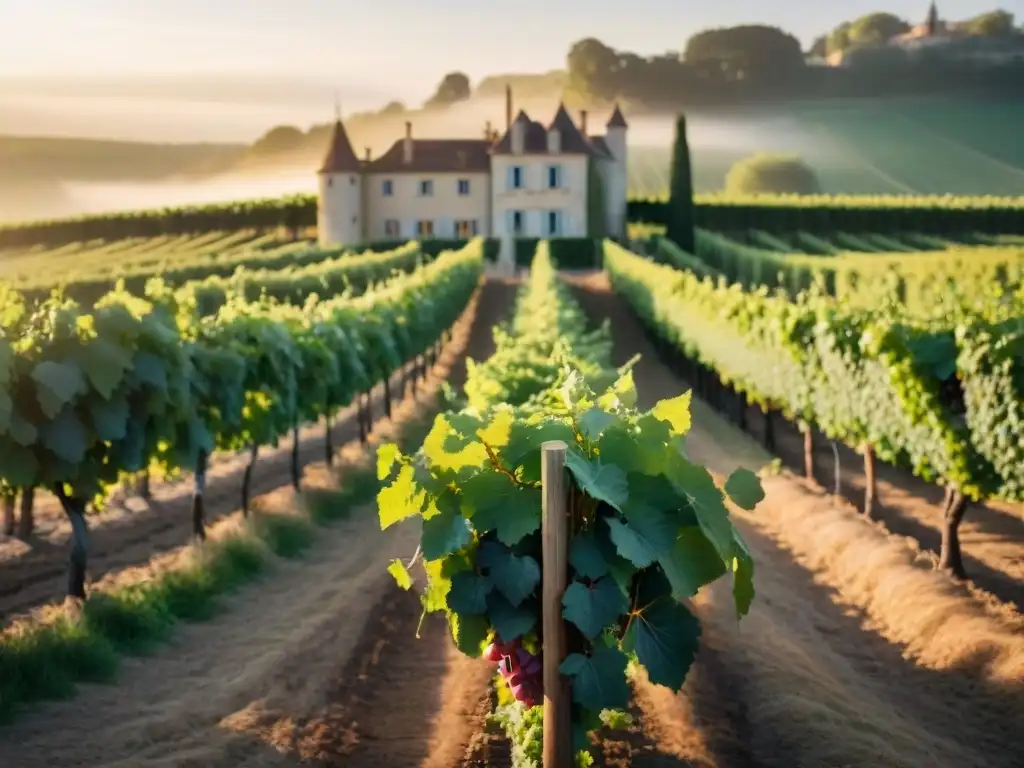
x=992, y=535
x=856, y=652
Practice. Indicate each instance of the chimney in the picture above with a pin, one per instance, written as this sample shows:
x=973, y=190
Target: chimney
x=407, y=145
x=518, y=137
x=487, y=131
x=368, y=154
x=583, y=123
x=508, y=107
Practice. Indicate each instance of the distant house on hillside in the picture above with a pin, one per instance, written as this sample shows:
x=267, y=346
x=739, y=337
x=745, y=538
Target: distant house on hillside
x=935, y=36
x=534, y=181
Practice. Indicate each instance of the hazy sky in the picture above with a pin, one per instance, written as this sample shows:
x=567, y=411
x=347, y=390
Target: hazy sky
x=377, y=50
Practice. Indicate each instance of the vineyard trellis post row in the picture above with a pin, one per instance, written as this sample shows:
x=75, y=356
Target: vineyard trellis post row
x=555, y=574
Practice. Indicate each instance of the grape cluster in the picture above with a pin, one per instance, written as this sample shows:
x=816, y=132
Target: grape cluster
x=521, y=669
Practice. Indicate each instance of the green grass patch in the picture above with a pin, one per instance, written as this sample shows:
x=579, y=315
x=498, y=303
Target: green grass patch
x=286, y=535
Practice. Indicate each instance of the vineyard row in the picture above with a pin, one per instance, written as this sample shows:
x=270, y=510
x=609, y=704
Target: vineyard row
x=922, y=282
x=942, y=398
x=88, y=397
x=772, y=213
x=648, y=528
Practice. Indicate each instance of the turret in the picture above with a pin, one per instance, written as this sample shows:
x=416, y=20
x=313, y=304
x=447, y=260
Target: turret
x=618, y=179
x=340, y=203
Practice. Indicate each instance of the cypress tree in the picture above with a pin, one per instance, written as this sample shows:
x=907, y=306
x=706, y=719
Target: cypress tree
x=680, y=203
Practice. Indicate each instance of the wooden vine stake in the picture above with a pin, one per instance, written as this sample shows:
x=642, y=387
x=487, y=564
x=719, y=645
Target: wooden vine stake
x=555, y=573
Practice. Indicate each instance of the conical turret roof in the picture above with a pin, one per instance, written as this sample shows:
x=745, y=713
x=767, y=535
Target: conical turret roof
x=340, y=156
x=617, y=120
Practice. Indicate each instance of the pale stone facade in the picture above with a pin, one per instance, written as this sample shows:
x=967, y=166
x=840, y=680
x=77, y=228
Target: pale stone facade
x=534, y=181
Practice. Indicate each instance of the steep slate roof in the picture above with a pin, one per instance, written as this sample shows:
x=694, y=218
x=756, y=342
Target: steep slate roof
x=435, y=156
x=340, y=157
x=573, y=142
x=601, y=146
x=617, y=120
x=535, y=140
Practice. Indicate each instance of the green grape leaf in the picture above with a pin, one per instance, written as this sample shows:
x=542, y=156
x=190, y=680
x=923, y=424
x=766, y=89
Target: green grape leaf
x=675, y=412
x=744, y=489
x=665, y=637
x=692, y=563
x=469, y=632
x=743, y=577
x=58, y=384
x=635, y=452
x=696, y=484
x=593, y=607
x=510, y=622
x=594, y=421
x=604, y=482
x=497, y=432
x=151, y=370
x=22, y=431
x=622, y=393
x=19, y=465
x=400, y=500
x=387, y=456
x=513, y=576
x=105, y=363
x=598, y=681
x=400, y=574
x=587, y=556
x=647, y=533
x=473, y=454
x=6, y=410
x=110, y=418
x=66, y=437
x=444, y=533
x=630, y=544
x=523, y=448
x=495, y=502
x=468, y=593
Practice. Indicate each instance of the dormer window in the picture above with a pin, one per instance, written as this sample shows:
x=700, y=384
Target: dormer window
x=554, y=141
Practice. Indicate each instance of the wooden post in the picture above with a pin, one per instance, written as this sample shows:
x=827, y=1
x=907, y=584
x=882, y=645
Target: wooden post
x=808, y=453
x=870, y=488
x=555, y=541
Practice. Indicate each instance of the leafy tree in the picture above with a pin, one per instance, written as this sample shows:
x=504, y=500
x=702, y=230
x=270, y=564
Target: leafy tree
x=764, y=173
x=592, y=68
x=993, y=24
x=819, y=47
x=747, y=52
x=876, y=29
x=453, y=88
x=283, y=138
x=681, y=209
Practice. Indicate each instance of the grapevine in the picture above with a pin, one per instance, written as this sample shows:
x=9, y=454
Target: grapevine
x=86, y=397
x=649, y=528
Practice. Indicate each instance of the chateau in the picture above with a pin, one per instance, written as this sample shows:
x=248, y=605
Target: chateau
x=533, y=181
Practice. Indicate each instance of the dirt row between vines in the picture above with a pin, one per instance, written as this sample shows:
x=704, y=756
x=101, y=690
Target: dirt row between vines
x=856, y=651
x=33, y=573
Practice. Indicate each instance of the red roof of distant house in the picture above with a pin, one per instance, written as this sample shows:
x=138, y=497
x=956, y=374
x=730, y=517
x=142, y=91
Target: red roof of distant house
x=340, y=157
